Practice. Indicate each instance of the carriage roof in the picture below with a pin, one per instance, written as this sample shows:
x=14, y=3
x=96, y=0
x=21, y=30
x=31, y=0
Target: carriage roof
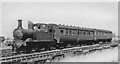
x=81, y=28
x=74, y=27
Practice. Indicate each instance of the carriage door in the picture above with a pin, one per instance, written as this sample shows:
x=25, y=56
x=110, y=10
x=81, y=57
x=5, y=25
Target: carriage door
x=51, y=32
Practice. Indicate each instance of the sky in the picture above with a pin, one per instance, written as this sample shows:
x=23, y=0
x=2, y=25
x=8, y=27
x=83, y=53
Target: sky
x=0, y=18
x=101, y=15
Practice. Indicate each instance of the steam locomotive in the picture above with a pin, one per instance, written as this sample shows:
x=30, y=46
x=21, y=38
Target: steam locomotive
x=40, y=36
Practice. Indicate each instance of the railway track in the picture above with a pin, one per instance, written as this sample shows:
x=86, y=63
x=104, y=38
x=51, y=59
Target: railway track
x=49, y=56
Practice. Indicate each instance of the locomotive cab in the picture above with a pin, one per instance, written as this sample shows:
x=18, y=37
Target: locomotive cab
x=43, y=32
x=41, y=27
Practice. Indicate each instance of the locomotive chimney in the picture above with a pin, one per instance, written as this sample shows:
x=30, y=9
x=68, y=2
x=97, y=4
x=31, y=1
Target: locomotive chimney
x=19, y=24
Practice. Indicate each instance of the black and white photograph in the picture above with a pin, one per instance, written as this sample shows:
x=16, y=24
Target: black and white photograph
x=41, y=32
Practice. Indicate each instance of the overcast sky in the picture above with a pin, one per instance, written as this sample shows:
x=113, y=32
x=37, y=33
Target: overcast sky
x=102, y=15
x=0, y=19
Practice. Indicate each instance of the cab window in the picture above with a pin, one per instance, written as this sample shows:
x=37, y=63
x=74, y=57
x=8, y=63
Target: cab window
x=41, y=27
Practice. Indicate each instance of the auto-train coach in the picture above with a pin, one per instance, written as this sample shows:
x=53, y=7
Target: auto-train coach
x=40, y=36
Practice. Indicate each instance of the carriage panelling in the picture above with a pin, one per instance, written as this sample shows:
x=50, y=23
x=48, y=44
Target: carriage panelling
x=69, y=35
x=108, y=36
x=76, y=35
x=68, y=38
x=100, y=37
x=86, y=37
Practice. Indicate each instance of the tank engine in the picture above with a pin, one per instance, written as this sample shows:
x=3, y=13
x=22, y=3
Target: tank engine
x=42, y=36
x=35, y=37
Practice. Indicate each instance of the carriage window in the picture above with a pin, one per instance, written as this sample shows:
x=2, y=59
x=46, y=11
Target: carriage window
x=67, y=32
x=73, y=32
x=102, y=33
x=84, y=32
x=88, y=32
x=50, y=30
x=91, y=33
x=81, y=32
x=70, y=32
x=97, y=33
x=61, y=31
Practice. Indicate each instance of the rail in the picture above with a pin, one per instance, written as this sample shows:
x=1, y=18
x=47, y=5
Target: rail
x=50, y=55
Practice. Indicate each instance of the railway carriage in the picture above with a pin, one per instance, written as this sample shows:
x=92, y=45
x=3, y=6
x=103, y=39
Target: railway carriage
x=45, y=36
